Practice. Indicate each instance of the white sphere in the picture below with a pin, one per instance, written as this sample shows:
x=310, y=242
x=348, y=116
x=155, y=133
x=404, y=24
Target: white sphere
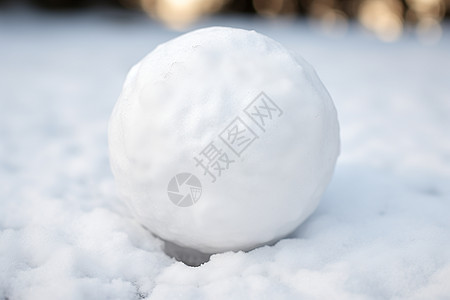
x=244, y=129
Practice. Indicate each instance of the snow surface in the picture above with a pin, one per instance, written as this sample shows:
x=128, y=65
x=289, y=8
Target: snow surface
x=382, y=230
x=180, y=97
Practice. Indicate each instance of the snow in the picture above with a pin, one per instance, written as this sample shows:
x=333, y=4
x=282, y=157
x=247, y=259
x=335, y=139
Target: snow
x=245, y=125
x=381, y=231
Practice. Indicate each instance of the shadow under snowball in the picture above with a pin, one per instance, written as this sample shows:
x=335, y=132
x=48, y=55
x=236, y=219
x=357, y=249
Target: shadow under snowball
x=190, y=257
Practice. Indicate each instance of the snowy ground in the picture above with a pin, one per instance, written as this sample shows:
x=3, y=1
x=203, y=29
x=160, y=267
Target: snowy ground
x=382, y=230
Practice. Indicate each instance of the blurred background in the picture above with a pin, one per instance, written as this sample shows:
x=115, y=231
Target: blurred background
x=387, y=19
x=382, y=230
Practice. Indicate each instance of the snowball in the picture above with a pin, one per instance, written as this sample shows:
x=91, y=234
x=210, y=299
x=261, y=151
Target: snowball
x=222, y=140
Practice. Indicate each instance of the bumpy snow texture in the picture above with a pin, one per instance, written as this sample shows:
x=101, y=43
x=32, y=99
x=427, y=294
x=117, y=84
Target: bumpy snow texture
x=238, y=111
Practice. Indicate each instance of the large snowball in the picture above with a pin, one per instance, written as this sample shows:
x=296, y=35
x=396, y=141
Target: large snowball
x=222, y=140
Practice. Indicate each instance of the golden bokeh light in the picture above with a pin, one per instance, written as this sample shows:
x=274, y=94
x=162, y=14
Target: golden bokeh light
x=429, y=30
x=427, y=15
x=180, y=13
x=334, y=22
x=383, y=17
x=427, y=8
x=330, y=19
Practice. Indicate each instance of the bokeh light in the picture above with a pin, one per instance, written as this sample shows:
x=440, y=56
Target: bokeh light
x=386, y=19
x=331, y=18
x=383, y=17
x=179, y=13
